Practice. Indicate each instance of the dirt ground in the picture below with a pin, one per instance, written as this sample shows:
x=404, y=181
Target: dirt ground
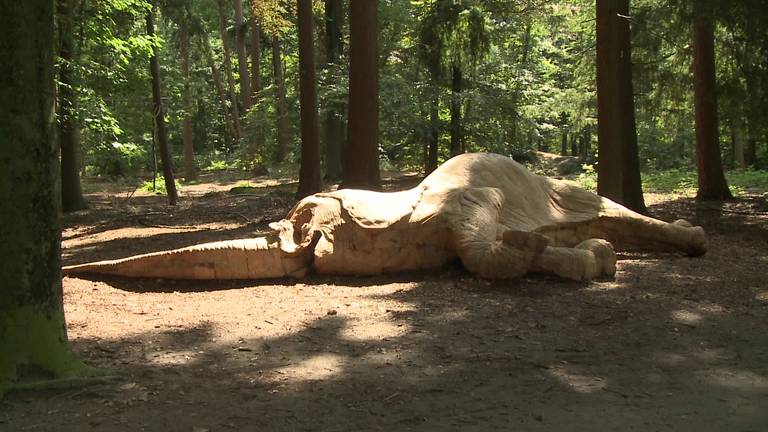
x=670, y=344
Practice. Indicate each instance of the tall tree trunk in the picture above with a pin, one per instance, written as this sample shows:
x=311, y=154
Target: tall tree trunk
x=434, y=132
x=712, y=184
x=309, y=171
x=242, y=58
x=333, y=121
x=69, y=129
x=159, y=116
x=216, y=74
x=574, y=141
x=33, y=335
x=282, y=108
x=618, y=170
x=361, y=159
x=228, y=69
x=456, y=132
x=738, y=136
x=186, y=99
x=255, y=54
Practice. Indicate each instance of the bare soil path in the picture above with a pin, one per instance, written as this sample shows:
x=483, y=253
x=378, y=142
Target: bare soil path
x=671, y=344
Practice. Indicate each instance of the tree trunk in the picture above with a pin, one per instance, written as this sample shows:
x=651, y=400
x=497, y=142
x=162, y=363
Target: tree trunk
x=159, y=116
x=282, y=108
x=69, y=129
x=255, y=55
x=738, y=137
x=309, y=171
x=712, y=184
x=258, y=139
x=186, y=99
x=434, y=132
x=361, y=160
x=228, y=70
x=456, y=132
x=216, y=74
x=242, y=58
x=618, y=170
x=33, y=337
x=333, y=120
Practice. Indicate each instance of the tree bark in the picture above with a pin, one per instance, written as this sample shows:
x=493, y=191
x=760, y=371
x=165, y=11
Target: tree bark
x=309, y=171
x=216, y=74
x=242, y=58
x=712, y=184
x=33, y=335
x=69, y=128
x=361, y=160
x=282, y=108
x=190, y=172
x=738, y=137
x=159, y=116
x=618, y=170
x=228, y=70
x=333, y=121
x=456, y=132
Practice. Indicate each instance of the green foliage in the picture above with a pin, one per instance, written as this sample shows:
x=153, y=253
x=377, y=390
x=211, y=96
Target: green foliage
x=157, y=186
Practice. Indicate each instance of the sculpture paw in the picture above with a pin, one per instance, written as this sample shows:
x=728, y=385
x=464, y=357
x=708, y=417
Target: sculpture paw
x=601, y=260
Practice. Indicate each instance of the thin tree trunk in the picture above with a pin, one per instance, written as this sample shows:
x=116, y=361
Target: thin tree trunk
x=712, y=184
x=159, y=116
x=282, y=108
x=456, y=132
x=255, y=55
x=258, y=139
x=33, y=335
x=186, y=99
x=738, y=137
x=242, y=57
x=574, y=141
x=434, y=132
x=333, y=120
x=309, y=171
x=69, y=129
x=618, y=170
x=228, y=69
x=216, y=74
x=361, y=160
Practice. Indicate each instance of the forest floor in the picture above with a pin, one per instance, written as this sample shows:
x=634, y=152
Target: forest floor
x=670, y=344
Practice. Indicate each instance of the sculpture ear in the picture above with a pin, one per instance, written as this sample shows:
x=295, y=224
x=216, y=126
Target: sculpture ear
x=306, y=222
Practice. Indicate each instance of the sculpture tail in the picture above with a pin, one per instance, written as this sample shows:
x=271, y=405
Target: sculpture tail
x=256, y=258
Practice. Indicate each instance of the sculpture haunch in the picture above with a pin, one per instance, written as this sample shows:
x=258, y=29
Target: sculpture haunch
x=497, y=217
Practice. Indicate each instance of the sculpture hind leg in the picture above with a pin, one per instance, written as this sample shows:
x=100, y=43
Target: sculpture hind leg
x=473, y=217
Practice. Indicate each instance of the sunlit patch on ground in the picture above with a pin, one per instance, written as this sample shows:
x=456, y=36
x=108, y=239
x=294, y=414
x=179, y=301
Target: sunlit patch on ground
x=736, y=379
x=577, y=382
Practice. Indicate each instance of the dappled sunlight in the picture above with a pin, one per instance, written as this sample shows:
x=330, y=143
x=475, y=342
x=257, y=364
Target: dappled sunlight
x=762, y=296
x=172, y=358
x=380, y=328
x=686, y=317
x=577, y=382
x=736, y=379
x=318, y=367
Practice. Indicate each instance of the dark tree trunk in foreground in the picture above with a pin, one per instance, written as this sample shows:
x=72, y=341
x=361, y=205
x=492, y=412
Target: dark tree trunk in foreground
x=333, y=121
x=282, y=107
x=216, y=74
x=33, y=337
x=69, y=129
x=618, y=169
x=456, y=132
x=186, y=99
x=712, y=184
x=309, y=172
x=159, y=117
x=361, y=158
x=228, y=69
x=242, y=57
